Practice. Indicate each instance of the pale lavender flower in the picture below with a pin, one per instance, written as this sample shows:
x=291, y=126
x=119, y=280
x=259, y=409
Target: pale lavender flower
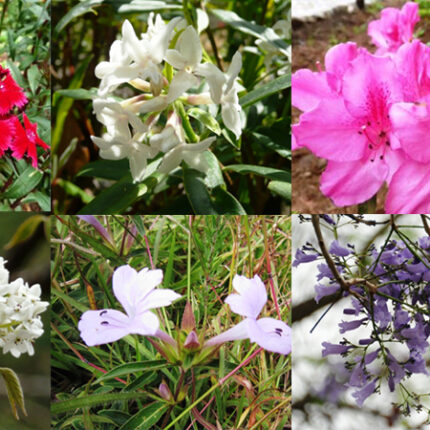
x=271, y=334
x=137, y=294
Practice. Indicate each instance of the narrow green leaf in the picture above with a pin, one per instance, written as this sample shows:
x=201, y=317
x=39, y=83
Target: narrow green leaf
x=81, y=8
x=73, y=190
x=26, y=230
x=268, y=172
x=266, y=141
x=259, y=31
x=265, y=90
x=42, y=199
x=147, y=417
x=14, y=391
x=197, y=193
x=76, y=94
x=106, y=169
x=127, y=368
x=65, y=104
x=206, y=119
x=226, y=203
x=118, y=197
x=25, y=182
x=33, y=75
x=281, y=188
x=93, y=400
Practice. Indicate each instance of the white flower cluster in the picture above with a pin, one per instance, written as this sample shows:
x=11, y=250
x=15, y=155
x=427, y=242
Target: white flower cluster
x=175, y=49
x=20, y=307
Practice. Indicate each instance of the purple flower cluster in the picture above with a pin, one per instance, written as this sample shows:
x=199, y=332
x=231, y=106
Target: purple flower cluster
x=389, y=310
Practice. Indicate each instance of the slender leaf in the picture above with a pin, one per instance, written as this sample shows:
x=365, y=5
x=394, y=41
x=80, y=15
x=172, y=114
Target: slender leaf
x=268, y=172
x=147, y=417
x=283, y=189
x=266, y=90
x=25, y=182
x=127, y=368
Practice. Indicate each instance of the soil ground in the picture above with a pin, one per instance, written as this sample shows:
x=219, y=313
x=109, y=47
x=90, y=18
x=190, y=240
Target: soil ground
x=311, y=40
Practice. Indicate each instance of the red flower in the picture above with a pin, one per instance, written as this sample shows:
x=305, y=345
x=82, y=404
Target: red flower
x=11, y=94
x=26, y=140
x=7, y=131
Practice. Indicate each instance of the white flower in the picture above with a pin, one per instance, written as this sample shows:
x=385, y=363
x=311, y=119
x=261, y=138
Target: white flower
x=223, y=91
x=191, y=153
x=131, y=57
x=20, y=307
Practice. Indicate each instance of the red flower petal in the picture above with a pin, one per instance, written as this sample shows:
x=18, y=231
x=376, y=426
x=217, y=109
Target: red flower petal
x=11, y=94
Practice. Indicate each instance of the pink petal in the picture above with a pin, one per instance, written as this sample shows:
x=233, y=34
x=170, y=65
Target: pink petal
x=308, y=88
x=103, y=326
x=337, y=61
x=353, y=182
x=157, y=299
x=123, y=281
x=251, y=298
x=237, y=332
x=271, y=334
x=411, y=124
x=329, y=131
x=409, y=191
x=370, y=86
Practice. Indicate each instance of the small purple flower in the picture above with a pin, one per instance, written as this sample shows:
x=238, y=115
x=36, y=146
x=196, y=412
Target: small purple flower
x=91, y=219
x=302, y=257
x=338, y=250
x=330, y=348
x=271, y=334
x=324, y=290
x=137, y=294
x=328, y=219
x=350, y=325
x=361, y=395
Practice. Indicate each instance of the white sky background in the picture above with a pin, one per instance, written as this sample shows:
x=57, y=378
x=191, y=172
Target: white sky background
x=309, y=369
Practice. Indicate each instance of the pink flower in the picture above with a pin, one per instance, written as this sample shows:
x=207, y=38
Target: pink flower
x=11, y=95
x=395, y=27
x=137, y=294
x=26, y=140
x=346, y=120
x=271, y=334
x=409, y=191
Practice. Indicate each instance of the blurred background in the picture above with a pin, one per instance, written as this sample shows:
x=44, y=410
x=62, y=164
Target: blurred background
x=24, y=245
x=319, y=402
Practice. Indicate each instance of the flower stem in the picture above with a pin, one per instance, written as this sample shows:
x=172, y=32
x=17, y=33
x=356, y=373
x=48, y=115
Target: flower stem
x=213, y=388
x=191, y=136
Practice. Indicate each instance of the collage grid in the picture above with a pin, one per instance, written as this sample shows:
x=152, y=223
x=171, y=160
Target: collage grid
x=215, y=214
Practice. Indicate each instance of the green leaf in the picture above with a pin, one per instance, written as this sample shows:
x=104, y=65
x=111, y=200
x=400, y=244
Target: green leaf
x=14, y=391
x=118, y=197
x=26, y=230
x=106, y=169
x=127, y=368
x=265, y=90
x=73, y=190
x=33, y=76
x=269, y=143
x=268, y=172
x=64, y=105
x=226, y=203
x=25, y=182
x=81, y=8
x=42, y=199
x=93, y=400
x=213, y=176
x=203, y=203
x=197, y=193
x=260, y=32
x=76, y=94
x=206, y=119
x=147, y=417
x=281, y=188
